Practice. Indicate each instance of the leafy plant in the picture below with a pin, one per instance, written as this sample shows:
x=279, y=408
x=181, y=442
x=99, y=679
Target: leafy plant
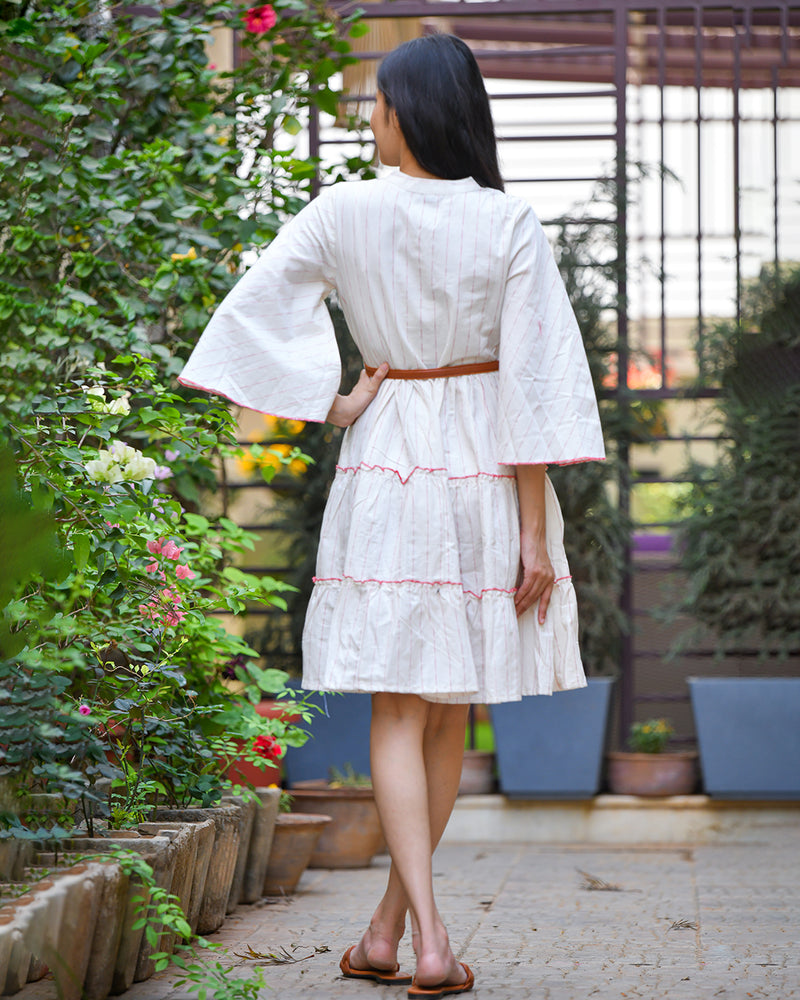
x=135, y=175
x=651, y=736
x=740, y=542
x=119, y=661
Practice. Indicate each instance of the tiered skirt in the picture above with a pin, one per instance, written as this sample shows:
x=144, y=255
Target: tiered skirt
x=419, y=559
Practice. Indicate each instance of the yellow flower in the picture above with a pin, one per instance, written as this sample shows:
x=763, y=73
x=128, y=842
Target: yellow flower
x=191, y=255
x=297, y=467
x=237, y=248
x=271, y=422
x=295, y=426
x=246, y=463
x=284, y=450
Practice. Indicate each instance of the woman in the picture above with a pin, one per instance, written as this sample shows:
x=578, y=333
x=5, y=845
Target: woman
x=441, y=574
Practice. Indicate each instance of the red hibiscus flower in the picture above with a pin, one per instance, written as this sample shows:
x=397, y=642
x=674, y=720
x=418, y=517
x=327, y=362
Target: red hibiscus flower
x=259, y=20
x=268, y=748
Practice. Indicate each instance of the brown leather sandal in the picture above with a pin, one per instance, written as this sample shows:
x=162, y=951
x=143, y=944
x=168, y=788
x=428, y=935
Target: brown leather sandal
x=385, y=976
x=432, y=992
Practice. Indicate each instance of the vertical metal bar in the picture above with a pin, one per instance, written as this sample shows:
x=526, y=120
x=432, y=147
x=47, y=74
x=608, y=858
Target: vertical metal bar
x=313, y=146
x=698, y=84
x=737, y=231
x=626, y=596
x=662, y=73
x=775, y=195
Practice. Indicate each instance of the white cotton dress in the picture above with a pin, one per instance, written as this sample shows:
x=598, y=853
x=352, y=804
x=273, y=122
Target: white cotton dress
x=419, y=552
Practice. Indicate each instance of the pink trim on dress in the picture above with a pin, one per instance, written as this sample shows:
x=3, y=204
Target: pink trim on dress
x=424, y=583
x=421, y=468
x=217, y=392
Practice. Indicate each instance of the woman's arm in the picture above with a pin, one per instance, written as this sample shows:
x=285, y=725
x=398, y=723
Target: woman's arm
x=347, y=409
x=536, y=572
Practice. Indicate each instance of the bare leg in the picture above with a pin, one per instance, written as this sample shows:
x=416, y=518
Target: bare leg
x=417, y=749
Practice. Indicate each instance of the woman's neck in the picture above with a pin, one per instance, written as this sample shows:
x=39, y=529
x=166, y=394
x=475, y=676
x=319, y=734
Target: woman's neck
x=409, y=165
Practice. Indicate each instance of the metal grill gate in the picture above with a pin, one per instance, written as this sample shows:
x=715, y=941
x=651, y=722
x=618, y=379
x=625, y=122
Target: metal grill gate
x=693, y=111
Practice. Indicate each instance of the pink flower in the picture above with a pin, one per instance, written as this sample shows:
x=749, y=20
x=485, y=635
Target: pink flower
x=149, y=610
x=155, y=546
x=259, y=20
x=151, y=567
x=174, y=617
x=84, y=710
x=170, y=454
x=162, y=472
x=171, y=550
x=183, y=572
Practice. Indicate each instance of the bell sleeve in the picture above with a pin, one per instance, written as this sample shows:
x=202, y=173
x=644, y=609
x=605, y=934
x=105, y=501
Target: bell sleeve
x=270, y=345
x=548, y=410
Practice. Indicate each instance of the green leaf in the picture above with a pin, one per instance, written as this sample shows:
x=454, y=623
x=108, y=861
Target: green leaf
x=81, y=547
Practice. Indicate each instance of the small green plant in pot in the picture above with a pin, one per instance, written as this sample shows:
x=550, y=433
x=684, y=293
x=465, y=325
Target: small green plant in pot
x=648, y=769
x=651, y=736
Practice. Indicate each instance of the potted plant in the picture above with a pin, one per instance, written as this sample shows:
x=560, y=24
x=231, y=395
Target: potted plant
x=648, y=768
x=295, y=837
x=354, y=835
x=740, y=544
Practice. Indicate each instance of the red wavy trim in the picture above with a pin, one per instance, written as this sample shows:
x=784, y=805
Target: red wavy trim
x=245, y=406
x=421, y=468
x=424, y=583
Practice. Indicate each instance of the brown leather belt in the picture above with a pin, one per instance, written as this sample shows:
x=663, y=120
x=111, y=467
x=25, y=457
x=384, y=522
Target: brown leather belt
x=448, y=372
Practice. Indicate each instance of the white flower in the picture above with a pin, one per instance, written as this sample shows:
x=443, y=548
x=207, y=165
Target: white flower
x=120, y=463
x=104, y=469
x=139, y=467
x=119, y=407
x=97, y=400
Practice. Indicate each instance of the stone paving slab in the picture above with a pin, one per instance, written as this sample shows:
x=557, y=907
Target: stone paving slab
x=685, y=923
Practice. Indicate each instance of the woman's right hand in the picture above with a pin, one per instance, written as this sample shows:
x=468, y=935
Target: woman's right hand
x=347, y=409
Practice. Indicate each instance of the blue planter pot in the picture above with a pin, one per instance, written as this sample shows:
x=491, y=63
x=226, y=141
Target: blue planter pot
x=338, y=738
x=552, y=747
x=748, y=732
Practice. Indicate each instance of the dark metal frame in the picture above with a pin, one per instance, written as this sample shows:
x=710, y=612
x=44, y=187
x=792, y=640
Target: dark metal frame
x=765, y=51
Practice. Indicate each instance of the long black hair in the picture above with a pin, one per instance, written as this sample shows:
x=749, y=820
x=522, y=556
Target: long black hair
x=434, y=85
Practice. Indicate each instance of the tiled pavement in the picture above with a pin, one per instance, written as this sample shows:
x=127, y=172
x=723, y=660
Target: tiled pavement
x=686, y=922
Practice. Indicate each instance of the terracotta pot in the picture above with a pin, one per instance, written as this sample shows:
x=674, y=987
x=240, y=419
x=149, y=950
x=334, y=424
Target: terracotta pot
x=242, y=772
x=355, y=835
x=477, y=773
x=293, y=843
x=652, y=774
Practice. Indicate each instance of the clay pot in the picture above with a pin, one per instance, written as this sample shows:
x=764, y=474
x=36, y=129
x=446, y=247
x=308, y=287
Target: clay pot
x=477, y=773
x=652, y=774
x=293, y=843
x=354, y=836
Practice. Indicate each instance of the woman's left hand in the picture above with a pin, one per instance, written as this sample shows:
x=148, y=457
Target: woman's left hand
x=347, y=409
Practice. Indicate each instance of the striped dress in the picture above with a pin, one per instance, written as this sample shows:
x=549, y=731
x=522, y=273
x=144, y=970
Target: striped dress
x=419, y=553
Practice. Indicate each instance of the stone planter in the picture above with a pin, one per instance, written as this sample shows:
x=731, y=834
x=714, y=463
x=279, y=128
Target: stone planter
x=247, y=814
x=53, y=926
x=293, y=844
x=652, y=774
x=354, y=835
x=477, y=773
x=115, y=953
x=184, y=839
x=260, y=843
x=222, y=863
x=748, y=736
x=552, y=747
